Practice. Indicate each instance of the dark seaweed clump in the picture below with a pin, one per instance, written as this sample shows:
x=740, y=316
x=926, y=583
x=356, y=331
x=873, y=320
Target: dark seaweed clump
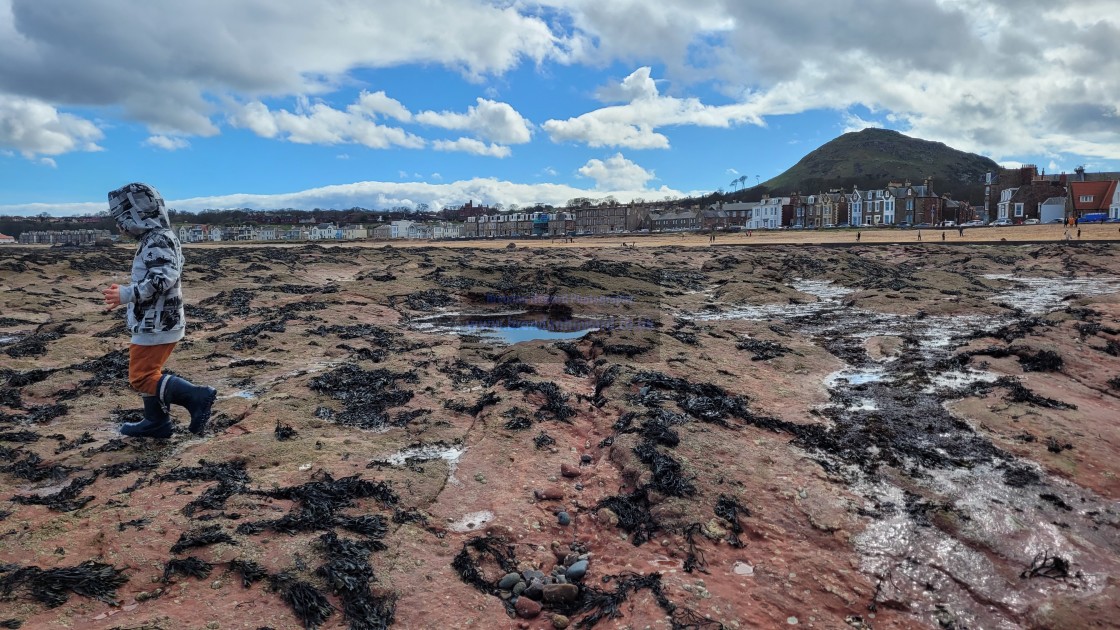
x=189, y=566
x=763, y=350
x=309, y=605
x=367, y=394
x=349, y=573
x=318, y=503
x=65, y=500
x=53, y=586
x=468, y=564
x=209, y=535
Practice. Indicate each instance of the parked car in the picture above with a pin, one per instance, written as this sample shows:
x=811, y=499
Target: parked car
x=1000, y=223
x=903, y=225
x=1031, y=222
x=973, y=223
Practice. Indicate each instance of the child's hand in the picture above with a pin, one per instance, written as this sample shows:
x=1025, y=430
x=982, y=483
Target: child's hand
x=112, y=296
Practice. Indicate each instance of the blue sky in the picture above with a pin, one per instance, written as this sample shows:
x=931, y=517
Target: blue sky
x=255, y=103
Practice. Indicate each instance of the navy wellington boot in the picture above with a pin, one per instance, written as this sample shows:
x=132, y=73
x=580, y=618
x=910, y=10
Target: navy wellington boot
x=156, y=422
x=198, y=399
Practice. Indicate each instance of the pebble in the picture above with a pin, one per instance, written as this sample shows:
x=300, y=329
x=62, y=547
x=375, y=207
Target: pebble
x=216, y=585
x=549, y=494
x=508, y=581
x=535, y=590
x=576, y=571
x=792, y=621
x=579, y=486
x=742, y=568
x=563, y=518
x=527, y=608
x=570, y=471
x=519, y=588
x=560, y=622
x=560, y=593
x=585, y=458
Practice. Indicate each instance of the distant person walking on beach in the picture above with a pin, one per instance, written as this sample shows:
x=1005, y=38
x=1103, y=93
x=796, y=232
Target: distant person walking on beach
x=919, y=235
x=942, y=235
x=857, y=236
x=154, y=312
x=1079, y=234
x=960, y=230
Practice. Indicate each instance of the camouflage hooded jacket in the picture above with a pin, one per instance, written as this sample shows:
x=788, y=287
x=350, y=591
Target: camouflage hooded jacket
x=154, y=297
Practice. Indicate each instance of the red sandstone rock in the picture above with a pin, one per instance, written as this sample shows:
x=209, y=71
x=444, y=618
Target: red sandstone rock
x=527, y=608
x=570, y=471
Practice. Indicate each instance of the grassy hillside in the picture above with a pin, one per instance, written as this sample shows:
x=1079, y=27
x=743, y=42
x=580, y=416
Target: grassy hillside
x=872, y=157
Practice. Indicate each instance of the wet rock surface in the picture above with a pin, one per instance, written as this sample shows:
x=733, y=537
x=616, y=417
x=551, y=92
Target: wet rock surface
x=891, y=436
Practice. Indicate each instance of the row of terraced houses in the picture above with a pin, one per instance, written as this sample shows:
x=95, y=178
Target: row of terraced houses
x=1018, y=195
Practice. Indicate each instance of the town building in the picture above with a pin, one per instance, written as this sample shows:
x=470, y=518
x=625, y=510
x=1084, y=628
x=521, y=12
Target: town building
x=64, y=237
x=6, y=240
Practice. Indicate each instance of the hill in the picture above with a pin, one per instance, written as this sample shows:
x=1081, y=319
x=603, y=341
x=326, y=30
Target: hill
x=872, y=157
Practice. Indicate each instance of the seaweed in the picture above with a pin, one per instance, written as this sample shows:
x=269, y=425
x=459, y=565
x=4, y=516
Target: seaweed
x=485, y=400
x=633, y=514
x=65, y=500
x=69, y=445
x=284, y=431
x=319, y=501
x=310, y=606
x=249, y=571
x=1018, y=393
x=606, y=604
x=668, y=477
x=469, y=569
x=349, y=573
x=366, y=394
x=763, y=350
x=1047, y=566
x=729, y=510
x=542, y=440
x=52, y=587
x=209, y=535
x=189, y=566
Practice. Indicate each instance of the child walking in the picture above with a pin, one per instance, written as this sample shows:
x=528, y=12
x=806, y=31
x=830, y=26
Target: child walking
x=154, y=306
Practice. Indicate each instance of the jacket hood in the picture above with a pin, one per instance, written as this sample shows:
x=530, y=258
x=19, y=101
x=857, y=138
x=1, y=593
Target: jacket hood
x=138, y=208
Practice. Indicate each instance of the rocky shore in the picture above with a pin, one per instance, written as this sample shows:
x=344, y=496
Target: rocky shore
x=875, y=436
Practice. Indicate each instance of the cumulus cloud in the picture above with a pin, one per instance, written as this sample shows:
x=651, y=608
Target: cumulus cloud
x=490, y=120
x=319, y=123
x=380, y=195
x=36, y=128
x=164, y=64
x=852, y=122
x=616, y=173
x=470, y=145
x=167, y=143
x=633, y=125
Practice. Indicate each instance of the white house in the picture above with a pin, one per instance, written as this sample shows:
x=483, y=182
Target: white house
x=1052, y=208
x=1114, y=207
x=325, y=231
x=767, y=214
x=400, y=228
x=264, y=233
x=355, y=232
x=1004, y=206
x=5, y=239
x=855, y=207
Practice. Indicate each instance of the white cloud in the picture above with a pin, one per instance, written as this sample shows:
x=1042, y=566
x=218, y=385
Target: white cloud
x=490, y=120
x=470, y=145
x=633, y=125
x=616, y=173
x=33, y=128
x=379, y=195
x=48, y=162
x=167, y=143
x=84, y=60
x=732, y=171
x=853, y=122
x=342, y=156
x=319, y=123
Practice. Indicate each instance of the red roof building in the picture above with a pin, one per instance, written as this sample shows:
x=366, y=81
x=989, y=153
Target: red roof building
x=1091, y=197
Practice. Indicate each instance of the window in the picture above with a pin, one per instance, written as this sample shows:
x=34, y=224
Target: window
x=1086, y=199
x=1018, y=209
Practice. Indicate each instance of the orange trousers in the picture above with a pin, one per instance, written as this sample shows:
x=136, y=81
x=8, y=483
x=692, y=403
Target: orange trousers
x=145, y=366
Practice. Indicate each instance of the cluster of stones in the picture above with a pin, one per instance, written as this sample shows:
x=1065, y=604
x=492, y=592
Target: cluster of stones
x=531, y=590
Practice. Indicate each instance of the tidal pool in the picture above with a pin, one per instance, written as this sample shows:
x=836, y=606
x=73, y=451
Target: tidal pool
x=511, y=328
